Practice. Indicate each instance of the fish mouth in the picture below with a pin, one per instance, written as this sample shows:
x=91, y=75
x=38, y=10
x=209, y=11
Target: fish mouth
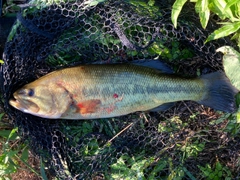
x=23, y=105
x=14, y=102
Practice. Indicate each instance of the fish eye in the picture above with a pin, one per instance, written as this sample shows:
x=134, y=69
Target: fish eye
x=30, y=92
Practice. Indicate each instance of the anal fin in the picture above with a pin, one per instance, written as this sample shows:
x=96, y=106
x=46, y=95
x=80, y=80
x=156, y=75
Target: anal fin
x=163, y=107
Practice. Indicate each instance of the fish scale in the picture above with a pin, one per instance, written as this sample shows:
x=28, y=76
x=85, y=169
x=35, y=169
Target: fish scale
x=110, y=90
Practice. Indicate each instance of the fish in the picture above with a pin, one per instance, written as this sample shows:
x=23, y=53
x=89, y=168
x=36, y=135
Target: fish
x=110, y=90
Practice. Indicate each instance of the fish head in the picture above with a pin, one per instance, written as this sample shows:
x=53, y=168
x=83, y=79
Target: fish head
x=37, y=100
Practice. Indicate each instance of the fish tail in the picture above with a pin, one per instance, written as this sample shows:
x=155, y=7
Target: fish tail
x=220, y=92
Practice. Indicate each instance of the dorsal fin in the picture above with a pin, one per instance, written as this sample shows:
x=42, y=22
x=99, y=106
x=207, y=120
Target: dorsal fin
x=155, y=64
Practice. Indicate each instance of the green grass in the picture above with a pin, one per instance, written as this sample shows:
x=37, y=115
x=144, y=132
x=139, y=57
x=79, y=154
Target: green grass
x=13, y=153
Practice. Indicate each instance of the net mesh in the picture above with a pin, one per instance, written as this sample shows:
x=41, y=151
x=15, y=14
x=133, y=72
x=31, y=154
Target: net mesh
x=184, y=142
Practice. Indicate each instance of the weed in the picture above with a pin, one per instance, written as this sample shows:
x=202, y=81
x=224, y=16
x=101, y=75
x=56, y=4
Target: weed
x=226, y=11
x=13, y=153
x=217, y=172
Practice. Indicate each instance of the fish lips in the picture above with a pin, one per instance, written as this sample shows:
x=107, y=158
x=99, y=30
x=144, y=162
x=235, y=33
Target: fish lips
x=24, y=105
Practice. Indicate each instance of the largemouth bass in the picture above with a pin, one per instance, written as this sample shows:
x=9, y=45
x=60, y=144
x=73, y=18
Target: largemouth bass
x=110, y=90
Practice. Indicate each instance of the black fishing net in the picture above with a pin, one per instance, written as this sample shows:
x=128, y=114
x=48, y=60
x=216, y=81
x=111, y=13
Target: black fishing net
x=188, y=141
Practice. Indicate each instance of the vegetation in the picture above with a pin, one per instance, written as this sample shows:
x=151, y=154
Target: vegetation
x=14, y=154
x=227, y=10
x=231, y=64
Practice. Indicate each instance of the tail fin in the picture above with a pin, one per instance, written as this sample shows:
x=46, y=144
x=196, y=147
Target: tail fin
x=221, y=93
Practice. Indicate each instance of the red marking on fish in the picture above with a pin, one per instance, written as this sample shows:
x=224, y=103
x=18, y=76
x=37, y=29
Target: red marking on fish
x=110, y=109
x=59, y=83
x=80, y=105
x=115, y=95
x=63, y=84
x=75, y=96
x=113, y=106
x=89, y=106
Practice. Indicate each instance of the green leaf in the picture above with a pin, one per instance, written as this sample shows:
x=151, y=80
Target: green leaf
x=7, y=169
x=1, y=116
x=176, y=9
x=236, y=37
x=151, y=2
x=9, y=155
x=158, y=168
x=204, y=12
x=238, y=117
x=220, y=8
x=224, y=31
x=230, y=3
x=238, y=100
x=24, y=155
x=237, y=10
x=176, y=174
x=13, y=134
x=90, y=3
x=207, y=170
x=1, y=61
x=42, y=171
x=231, y=64
x=5, y=133
x=189, y=173
x=218, y=166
